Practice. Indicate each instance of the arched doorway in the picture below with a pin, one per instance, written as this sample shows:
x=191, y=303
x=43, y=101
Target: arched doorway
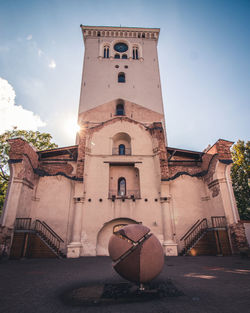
x=106, y=231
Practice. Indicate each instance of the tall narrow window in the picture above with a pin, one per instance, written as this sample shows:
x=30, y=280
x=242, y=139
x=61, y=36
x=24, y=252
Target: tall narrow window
x=135, y=53
x=120, y=109
x=121, y=149
x=121, y=78
x=106, y=52
x=121, y=186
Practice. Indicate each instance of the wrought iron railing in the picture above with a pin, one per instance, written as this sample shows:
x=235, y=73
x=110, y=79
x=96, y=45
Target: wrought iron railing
x=22, y=223
x=219, y=221
x=48, y=235
x=129, y=194
x=195, y=233
x=117, y=151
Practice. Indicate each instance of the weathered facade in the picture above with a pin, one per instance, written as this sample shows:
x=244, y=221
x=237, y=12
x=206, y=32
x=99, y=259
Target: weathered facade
x=121, y=170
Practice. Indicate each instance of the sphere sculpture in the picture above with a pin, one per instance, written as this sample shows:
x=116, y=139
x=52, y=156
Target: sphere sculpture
x=137, y=255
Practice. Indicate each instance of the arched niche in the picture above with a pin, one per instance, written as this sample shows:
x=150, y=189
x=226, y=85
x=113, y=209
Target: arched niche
x=107, y=230
x=121, y=144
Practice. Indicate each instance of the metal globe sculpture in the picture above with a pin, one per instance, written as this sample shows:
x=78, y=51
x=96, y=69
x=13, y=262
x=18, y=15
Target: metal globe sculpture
x=137, y=255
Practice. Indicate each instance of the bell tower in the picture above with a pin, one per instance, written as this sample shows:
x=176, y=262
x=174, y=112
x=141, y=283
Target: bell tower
x=121, y=67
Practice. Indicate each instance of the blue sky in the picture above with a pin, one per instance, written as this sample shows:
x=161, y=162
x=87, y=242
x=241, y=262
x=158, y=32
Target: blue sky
x=204, y=56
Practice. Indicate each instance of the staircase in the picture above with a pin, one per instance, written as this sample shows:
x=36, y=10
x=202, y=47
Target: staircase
x=35, y=241
x=203, y=240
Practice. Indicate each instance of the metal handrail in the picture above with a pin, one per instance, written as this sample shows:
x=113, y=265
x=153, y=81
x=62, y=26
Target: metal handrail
x=49, y=235
x=129, y=194
x=22, y=223
x=219, y=221
x=196, y=233
x=190, y=229
x=55, y=234
x=115, y=151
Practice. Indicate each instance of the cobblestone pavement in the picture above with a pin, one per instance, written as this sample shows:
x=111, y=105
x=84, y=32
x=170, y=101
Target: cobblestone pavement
x=209, y=285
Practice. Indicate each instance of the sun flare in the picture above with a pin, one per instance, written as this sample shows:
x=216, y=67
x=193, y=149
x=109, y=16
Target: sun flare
x=71, y=128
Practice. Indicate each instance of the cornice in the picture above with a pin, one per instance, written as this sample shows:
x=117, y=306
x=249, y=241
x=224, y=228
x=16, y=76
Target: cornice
x=120, y=32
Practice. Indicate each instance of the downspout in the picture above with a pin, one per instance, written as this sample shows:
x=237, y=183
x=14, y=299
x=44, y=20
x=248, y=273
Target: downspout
x=230, y=190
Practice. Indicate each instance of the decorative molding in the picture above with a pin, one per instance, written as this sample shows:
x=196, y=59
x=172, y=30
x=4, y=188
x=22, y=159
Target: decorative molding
x=43, y=173
x=23, y=181
x=120, y=32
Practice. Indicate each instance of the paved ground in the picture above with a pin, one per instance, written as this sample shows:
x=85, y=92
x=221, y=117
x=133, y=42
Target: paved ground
x=209, y=284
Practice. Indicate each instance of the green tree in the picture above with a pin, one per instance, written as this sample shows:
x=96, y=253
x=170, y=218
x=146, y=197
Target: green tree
x=240, y=177
x=41, y=141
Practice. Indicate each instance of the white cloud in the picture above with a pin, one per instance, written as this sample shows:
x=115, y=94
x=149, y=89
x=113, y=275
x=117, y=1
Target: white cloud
x=15, y=115
x=29, y=37
x=52, y=64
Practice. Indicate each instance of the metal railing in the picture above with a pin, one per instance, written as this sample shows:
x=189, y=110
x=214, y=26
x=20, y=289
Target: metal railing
x=219, y=221
x=116, y=151
x=48, y=235
x=22, y=223
x=195, y=233
x=130, y=194
x=189, y=231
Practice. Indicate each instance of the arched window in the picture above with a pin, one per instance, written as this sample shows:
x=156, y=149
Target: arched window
x=117, y=56
x=135, y=53
x=106, y=52
x=121, y=78
x=124, y=56
x=121, y=149
x=120, y=109
x=121, y=186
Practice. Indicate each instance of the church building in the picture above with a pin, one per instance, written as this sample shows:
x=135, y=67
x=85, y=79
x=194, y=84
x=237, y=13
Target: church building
x=68, y=201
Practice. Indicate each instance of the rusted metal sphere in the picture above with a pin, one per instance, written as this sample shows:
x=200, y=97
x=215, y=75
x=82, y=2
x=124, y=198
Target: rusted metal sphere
x=137, y=255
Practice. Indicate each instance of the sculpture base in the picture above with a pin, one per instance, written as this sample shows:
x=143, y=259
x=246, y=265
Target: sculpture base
x=113, y=293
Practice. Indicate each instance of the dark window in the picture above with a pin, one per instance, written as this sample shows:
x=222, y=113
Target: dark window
x=98, y=34
x=117, y=56
x=124, y=56
x=120, y=109
x=121, y=78
x=135, y=53
x=120, y=47
x=121, y=186
x=121, y=150
x=106, y=52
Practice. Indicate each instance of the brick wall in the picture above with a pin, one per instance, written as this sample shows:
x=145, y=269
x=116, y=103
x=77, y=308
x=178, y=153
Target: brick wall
x=238, y=237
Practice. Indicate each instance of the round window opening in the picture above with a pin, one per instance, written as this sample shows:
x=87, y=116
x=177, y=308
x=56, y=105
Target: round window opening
x=120, y=47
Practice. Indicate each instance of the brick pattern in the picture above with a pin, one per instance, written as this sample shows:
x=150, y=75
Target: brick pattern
x=20, y=148
x=222, y=148
x=5, y=240
x=81, y=153
x=22, y=152
x=238, y=236
x=53, y=168
x=157, y=132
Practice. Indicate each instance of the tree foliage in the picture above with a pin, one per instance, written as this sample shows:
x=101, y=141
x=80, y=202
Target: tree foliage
x=240, y=177
x=40, y=141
